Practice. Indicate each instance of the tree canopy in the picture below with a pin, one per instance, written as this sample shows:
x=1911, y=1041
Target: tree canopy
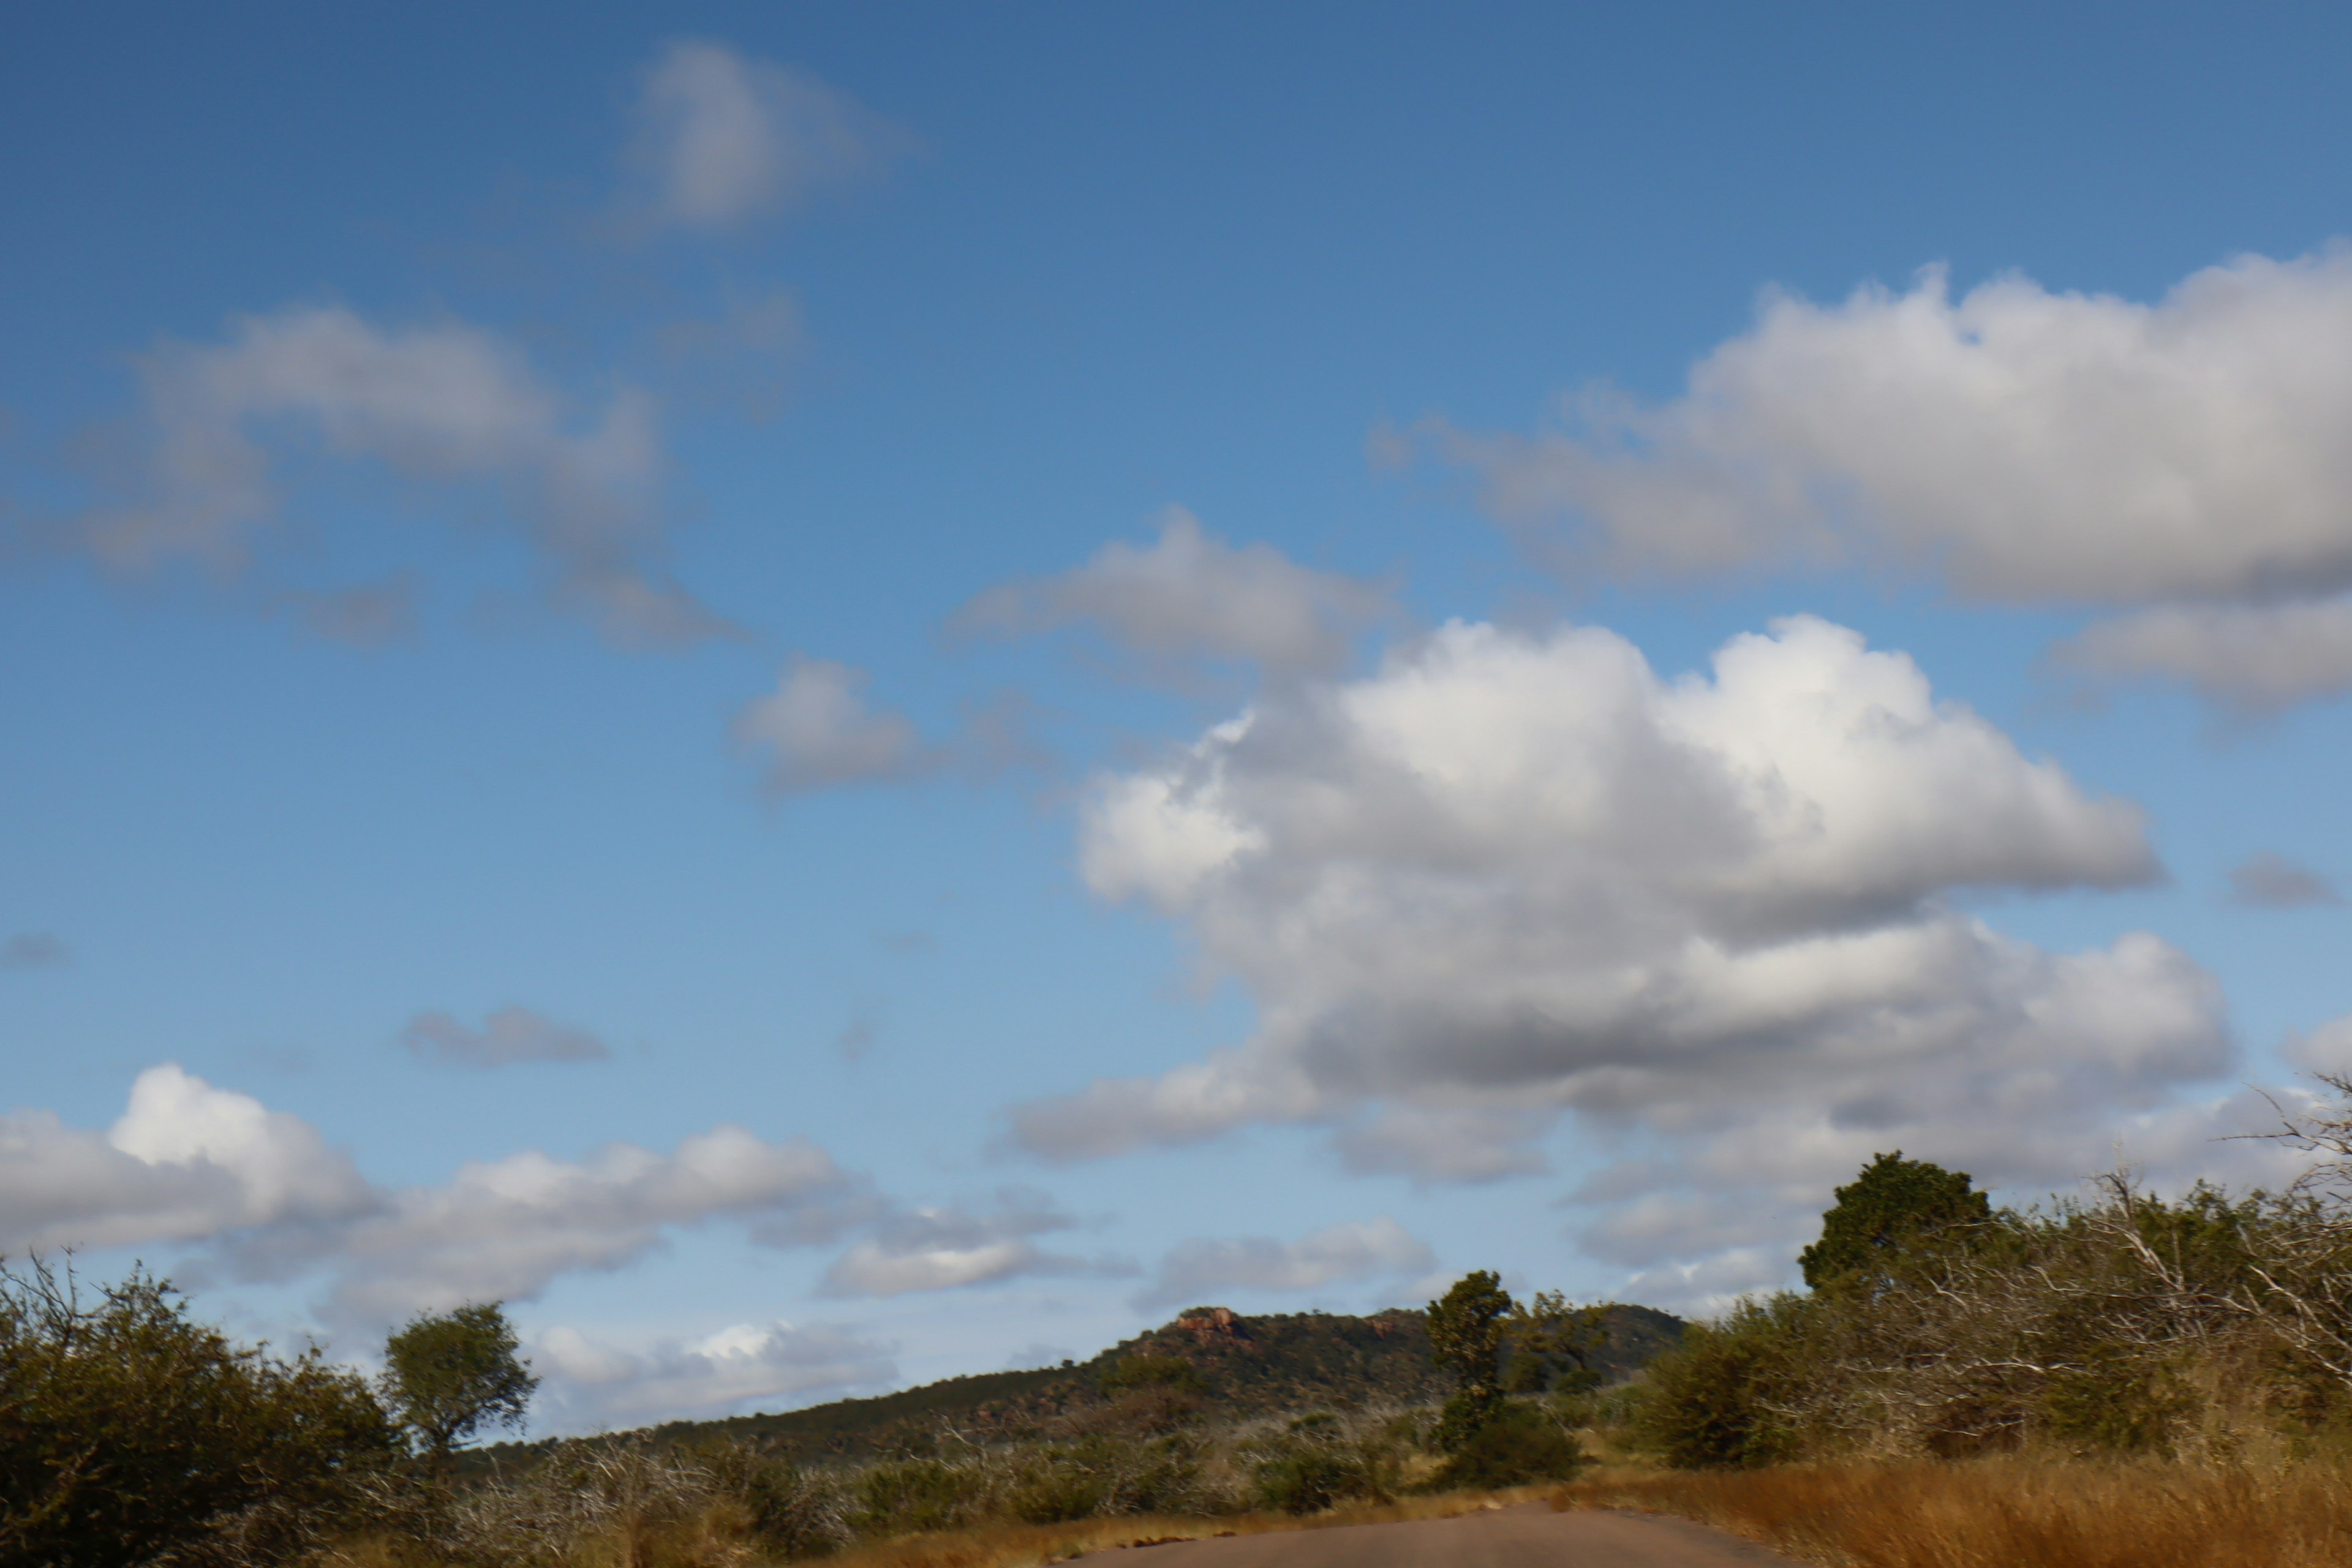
x=1466, y=1328
x=1891, y=1204
x=447, y=1376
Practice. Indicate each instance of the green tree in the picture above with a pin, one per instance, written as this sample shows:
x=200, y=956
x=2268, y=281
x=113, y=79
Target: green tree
x=1892, y=1205
x=129, y=1432
x=1552, y=1346
x=1467, y=1329
x=448, y=1375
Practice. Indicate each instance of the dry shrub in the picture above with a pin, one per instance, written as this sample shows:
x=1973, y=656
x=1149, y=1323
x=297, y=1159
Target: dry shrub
x=2012, y=1513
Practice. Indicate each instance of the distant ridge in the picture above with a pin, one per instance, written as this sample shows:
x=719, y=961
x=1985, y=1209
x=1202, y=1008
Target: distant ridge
x=1207, y=1363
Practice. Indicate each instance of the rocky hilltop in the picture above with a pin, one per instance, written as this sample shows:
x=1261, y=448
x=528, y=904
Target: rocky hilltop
x=1209, y=1362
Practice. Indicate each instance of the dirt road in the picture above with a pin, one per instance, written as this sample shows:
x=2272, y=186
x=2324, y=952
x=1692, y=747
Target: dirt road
x=1528, y=1537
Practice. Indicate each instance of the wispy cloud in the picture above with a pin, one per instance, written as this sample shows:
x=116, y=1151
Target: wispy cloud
x=507, y=1035
x=1189, y=596
x=722, y=138
x=944, y=1249
x=34, y=950
x=2271, y=881
x=446, y=403
x=1341, y=1254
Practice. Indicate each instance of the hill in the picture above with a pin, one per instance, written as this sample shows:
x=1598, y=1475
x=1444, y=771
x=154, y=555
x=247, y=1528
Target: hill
x=1208, y=1363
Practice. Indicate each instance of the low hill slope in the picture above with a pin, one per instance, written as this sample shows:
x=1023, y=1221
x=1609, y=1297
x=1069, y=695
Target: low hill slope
x=1208, y=1363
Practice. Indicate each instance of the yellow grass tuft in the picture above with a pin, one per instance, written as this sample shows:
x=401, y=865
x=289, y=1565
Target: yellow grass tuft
x=2010, y=1513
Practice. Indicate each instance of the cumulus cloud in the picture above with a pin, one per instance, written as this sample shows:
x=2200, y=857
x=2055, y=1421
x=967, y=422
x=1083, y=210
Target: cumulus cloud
x=2271, y=881
x=591, y=1384
x=34, y=950
x=1512, y=876
x=444, y=404
x=184, y=1161
x=1190, y=596
x=1341, y=1254
x=508, y=1035
x=2021, y=445
x=190, y=1163
x=942, y=1249
x=818, y=731
x=721, y=137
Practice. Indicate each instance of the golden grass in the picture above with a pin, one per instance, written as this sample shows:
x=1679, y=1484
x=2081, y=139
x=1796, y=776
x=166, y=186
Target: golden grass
x=2012, y=1513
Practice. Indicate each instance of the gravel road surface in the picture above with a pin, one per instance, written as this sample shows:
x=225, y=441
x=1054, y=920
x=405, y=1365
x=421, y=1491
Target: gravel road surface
x=1530, y=1536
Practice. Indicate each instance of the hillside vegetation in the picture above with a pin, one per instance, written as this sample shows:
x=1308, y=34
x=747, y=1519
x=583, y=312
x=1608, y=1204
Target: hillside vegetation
x=1207, y=1363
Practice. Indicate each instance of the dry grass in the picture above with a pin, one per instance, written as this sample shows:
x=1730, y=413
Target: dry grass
x=2012, y=1513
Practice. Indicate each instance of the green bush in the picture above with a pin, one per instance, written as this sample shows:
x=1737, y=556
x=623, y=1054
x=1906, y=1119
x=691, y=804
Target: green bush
x=128, y=1432
x=1311, y=1478
x=1707, y=1404
x=902, y=1496
x=1519, y=1446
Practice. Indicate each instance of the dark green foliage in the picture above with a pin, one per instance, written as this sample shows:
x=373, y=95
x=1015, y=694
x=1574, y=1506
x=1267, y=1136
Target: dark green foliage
x=790, y=1512
x=916, y=1495
x=127, y=1432
x=447, y=1376
x=1554, y=1346
x=1708, y=1404
x=1466, y=1328
x=1893, y=1204
x=1139, y=1371
x=1317, y=1464
x=1517, y=1447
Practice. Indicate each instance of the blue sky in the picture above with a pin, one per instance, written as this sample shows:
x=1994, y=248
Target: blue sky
x=627, y=634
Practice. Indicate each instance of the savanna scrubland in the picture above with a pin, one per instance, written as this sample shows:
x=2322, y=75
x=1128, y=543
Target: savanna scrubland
x=2112, y=1380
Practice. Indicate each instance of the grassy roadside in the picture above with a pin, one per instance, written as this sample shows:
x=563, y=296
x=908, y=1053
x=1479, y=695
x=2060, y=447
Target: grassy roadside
x=2009, y=1513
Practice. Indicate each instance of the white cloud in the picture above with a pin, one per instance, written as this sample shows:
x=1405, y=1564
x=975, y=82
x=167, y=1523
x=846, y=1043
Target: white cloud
x=818, y=731
x=722, y=138
x=508, y=1035
x=2020, y=445
x=2271, y=881
x=1192, y=595
x=590, y=1383
x=185, y=1161
x=446, y=403
x=189, y=1163
x=502, y=1229
x=1513, y=875
x=942, y=1249
x=2326, y=1049
x=1341, y=1254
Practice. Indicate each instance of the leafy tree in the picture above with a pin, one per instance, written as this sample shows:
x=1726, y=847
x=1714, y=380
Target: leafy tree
x=1892, y=1205
x=129, y=1432
x=1467, y=1329
x=447, y=1376
x=1552, y=1346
